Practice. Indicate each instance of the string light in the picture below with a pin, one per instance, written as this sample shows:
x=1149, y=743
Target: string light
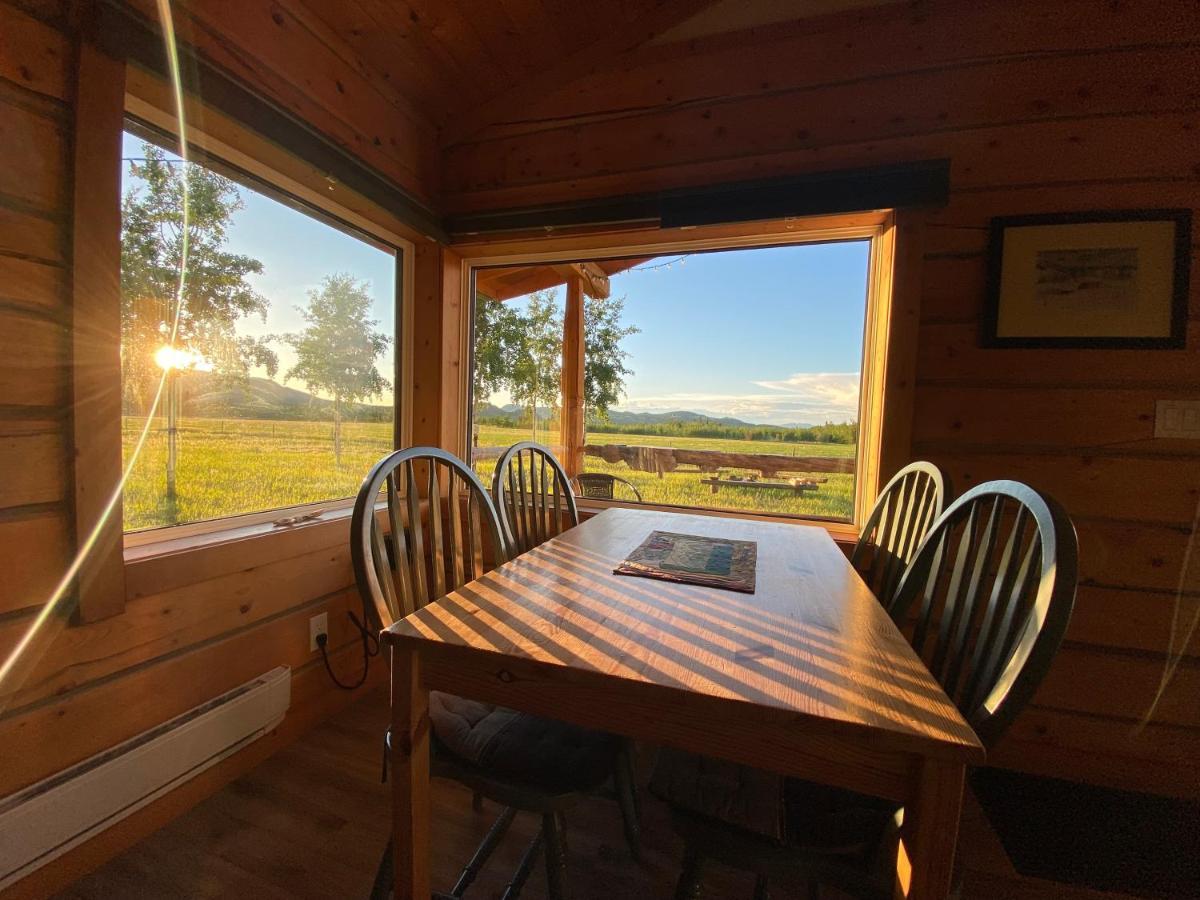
x=663, y=265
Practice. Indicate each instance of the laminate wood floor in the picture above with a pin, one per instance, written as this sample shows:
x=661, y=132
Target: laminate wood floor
x=312, y=820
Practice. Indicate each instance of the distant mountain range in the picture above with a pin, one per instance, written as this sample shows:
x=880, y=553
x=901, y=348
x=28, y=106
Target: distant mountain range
x=627, y=417
x=214, y=396
x=207, y=395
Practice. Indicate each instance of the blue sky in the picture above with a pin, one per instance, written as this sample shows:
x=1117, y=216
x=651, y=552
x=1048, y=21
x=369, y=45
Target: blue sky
x=771, y=335
x=297, y=251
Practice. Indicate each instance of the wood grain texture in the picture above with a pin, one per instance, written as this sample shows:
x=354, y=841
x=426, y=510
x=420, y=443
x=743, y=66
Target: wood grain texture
x=811, y=643
x=96, y=331
x=48, y=737
x=267, y=47
x=1041, y=108
x=310, y=822
x=807, y=676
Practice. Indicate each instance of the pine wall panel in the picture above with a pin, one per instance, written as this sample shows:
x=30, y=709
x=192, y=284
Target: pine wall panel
x=193, y=626
x=1077, y=105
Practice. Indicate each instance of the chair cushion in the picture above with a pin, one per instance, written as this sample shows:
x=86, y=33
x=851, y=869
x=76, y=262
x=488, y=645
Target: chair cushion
x=746, y=798
x=783, y=810
x=555, y=756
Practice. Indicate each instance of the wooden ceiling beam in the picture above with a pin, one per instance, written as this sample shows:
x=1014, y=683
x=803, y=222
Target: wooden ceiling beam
x=663, y=16
x=595, y=279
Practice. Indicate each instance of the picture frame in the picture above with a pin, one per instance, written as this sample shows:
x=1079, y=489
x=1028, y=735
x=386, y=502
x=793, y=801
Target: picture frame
x=1112, y=279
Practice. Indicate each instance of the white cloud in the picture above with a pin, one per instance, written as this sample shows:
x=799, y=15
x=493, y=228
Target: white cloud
x=811, y=398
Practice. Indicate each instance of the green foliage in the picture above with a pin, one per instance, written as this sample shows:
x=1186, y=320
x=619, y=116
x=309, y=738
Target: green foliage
x=336, y=352
x=604, y=368
x=535, y=355
x=495, y=327
x=522, y=352
x=216, y=293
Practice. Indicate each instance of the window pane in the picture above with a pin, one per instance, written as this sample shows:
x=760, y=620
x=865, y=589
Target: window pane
x=518, y=370
x=270, y=385
x=722, y=379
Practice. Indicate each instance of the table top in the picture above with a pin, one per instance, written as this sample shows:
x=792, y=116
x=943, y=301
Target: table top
x=811, y=641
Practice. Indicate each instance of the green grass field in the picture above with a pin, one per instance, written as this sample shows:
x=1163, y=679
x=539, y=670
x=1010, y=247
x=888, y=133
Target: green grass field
x=229, y=467
x=834, y=499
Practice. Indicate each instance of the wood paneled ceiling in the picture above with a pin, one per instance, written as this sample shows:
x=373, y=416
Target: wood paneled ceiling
x=469, y=63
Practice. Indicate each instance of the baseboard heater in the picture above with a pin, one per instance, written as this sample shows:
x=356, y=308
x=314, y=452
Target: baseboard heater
x=47, y=819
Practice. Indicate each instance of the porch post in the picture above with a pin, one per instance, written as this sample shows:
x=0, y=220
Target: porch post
x=572, y=426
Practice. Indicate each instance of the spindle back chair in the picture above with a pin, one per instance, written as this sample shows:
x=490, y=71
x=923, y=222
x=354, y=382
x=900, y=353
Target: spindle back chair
x=985, y=602
x=903, y=513
x=533, y=496
x=602, y=486
x=422, y=557
x=987, y=598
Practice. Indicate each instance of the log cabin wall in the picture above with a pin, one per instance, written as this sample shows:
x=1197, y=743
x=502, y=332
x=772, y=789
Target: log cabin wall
x=1040, y=107
x=193, y=625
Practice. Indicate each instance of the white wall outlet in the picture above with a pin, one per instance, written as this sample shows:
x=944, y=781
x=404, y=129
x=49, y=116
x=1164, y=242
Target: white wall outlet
x=317, y=625
x=1177, y=419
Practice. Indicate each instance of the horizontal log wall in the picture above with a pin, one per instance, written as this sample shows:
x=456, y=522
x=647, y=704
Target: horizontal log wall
x=194, y=625
x=1075, y=105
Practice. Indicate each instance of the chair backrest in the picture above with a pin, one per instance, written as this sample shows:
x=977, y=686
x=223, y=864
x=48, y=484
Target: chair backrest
x=425, y=559
x=602, y=486
x=987, y=599
x=533, y=496
x=903, y=513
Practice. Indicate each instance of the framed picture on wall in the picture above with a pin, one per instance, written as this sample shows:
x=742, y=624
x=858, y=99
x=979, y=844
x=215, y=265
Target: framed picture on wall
x=1114, y=279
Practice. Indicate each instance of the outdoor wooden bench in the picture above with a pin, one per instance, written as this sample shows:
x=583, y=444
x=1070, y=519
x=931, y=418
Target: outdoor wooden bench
x=796, y=485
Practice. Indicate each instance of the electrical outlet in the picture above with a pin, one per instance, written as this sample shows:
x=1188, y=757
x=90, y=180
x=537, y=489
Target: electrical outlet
x=317, y=626
x=1177, y=419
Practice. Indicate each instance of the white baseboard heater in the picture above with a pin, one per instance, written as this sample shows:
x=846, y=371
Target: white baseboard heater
x=47, y=819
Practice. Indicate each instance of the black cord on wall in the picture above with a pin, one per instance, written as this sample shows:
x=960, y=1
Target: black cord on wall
x=370, y=645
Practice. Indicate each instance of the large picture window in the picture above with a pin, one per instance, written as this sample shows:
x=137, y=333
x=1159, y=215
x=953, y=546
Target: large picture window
x=722, y=379
x=258, y=343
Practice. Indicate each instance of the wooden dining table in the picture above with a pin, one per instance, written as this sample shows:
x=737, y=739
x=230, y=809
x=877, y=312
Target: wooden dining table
x=807, y=676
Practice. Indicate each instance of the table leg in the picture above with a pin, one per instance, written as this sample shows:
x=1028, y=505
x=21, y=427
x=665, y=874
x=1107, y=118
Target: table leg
x=931, y=828
x=410, y=776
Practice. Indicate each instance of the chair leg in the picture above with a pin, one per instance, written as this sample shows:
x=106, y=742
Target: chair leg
x=513, y=890
x=381, y=889
x=484, y=851
x=627, y=799
x=556, y=858
x=761, y=891
x=688, y=886
x=477, y=801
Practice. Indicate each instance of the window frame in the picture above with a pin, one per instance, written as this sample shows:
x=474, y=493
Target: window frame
x=887, y=361
x=246, y=166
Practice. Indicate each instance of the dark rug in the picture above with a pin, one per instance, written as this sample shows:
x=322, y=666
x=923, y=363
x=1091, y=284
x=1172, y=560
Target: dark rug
x=1095, y=837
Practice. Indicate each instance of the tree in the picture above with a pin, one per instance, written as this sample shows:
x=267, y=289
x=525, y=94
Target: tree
x=535, y=355
x=216, y=292
x=496, y=327
x=336, y=353
x=604, y=368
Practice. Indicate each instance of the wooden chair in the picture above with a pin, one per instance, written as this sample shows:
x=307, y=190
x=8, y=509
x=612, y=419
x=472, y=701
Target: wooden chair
x=602, y=486
x=523, y=762
x=903, y=513
x=533, y=495
x=985, y=603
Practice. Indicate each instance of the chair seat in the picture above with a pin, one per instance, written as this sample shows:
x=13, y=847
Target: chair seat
x=553, y=756
x=786, y=812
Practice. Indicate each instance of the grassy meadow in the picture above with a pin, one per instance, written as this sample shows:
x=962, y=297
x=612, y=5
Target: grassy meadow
x=229, y=467
x=834, y=499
